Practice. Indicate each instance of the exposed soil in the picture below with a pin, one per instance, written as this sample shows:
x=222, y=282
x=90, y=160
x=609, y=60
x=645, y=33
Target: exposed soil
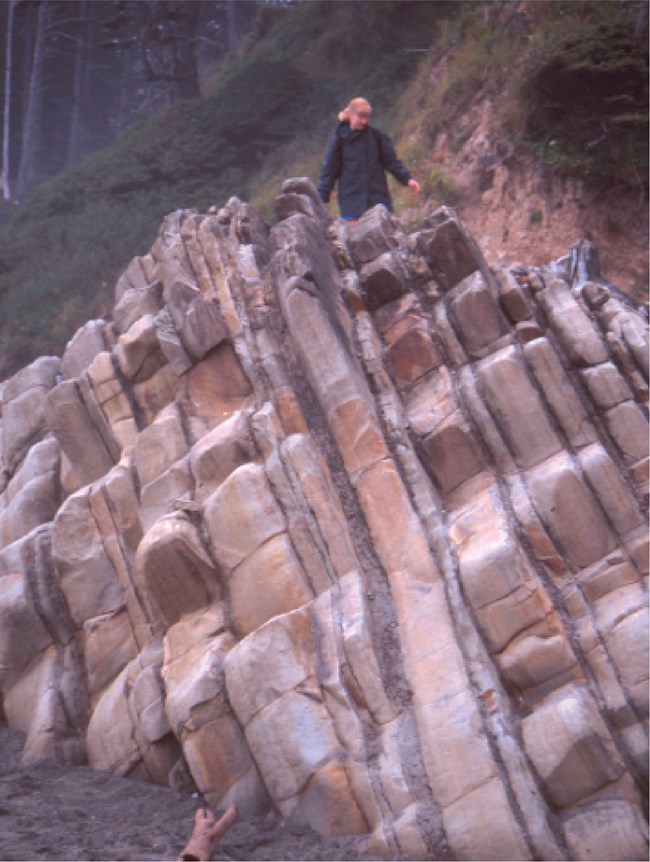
x=55, y=812
x=519, y=211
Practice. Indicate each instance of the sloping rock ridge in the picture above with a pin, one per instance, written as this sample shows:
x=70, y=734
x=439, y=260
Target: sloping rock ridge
x=336, y=520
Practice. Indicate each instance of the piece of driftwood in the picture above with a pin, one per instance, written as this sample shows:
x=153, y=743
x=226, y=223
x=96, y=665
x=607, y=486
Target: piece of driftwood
x=206, y=834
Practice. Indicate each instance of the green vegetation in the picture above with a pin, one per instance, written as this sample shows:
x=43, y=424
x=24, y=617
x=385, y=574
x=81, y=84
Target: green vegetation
x=570, y=78
x=586, y=94
x=439, y=186
x=269, y=106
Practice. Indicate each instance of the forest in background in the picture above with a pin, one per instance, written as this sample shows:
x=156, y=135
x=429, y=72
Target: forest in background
x=186, y=104
x=78, y=73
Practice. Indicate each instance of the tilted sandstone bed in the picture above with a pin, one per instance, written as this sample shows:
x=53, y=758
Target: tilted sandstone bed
x=339, y=521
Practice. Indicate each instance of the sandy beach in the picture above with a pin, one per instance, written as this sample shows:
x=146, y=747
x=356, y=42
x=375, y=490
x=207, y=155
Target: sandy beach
x=56, y=812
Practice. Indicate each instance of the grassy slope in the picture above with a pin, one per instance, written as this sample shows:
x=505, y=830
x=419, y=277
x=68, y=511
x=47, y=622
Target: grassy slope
x=265, y=116
x=61, y=253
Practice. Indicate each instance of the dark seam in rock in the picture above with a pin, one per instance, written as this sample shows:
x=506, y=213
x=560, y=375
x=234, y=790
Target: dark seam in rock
x=423, y=794
x=127, y=388
x=574, y=639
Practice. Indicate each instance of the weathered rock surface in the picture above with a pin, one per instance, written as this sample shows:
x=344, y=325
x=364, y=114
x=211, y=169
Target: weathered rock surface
x=337, y=520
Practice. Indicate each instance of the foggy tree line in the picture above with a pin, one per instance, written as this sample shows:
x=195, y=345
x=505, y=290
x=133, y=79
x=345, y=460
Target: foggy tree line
x=78, y=73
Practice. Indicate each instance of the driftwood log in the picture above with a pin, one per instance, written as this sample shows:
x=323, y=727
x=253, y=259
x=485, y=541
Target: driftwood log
x=207, y=833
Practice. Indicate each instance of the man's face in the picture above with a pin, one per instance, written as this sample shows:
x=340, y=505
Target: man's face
x=359, y=121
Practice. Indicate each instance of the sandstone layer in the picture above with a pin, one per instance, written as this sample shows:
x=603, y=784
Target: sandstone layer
x=339, y=521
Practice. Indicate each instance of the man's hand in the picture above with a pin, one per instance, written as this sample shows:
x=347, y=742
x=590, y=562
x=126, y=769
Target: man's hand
x=206, y=835
x=415, y=185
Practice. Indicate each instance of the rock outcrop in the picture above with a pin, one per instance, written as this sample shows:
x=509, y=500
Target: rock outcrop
x=337, y=520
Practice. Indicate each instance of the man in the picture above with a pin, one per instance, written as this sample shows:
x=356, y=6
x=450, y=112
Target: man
x=357, y=158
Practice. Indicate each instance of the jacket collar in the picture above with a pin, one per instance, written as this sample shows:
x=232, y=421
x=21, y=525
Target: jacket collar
x=344, y=131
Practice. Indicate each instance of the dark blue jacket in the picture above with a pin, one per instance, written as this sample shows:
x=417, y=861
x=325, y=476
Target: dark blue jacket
x=358, y=161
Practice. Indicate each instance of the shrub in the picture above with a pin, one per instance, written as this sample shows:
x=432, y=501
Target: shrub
x=441, y=187
x=586, y=95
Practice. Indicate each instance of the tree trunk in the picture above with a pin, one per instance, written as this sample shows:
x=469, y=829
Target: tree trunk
x=32, y=119
x=641, y=22
x=6, y=125
x=75, y=148
x=185, y=74
x=126, y=87
x=232, y=33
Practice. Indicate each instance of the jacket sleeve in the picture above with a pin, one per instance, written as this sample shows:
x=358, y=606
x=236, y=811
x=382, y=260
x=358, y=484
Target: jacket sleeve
x=331, y=169
x=389, y=160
